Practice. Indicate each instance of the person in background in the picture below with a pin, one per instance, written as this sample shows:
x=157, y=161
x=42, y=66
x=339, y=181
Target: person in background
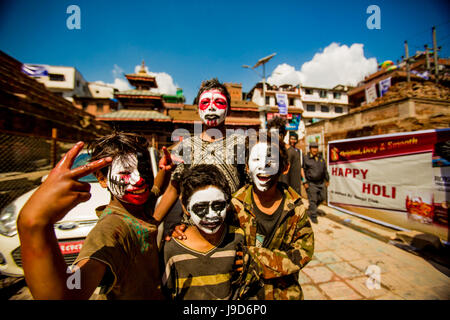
x=293, y=177
x=315, y=179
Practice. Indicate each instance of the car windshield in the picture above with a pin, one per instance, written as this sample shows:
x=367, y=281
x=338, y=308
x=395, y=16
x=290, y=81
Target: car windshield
x=81, y=160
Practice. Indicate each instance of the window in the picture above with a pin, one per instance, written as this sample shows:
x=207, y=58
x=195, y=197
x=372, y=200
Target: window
x=78, y=83
x=310, y=108
x=56, y=77
x=336, y=95
x=84, y=105
x=291, y=101
x=99, y=107
x=323, y=93
x=267, y=101
x=324, y=108
x=308, y=91
x=338, y=109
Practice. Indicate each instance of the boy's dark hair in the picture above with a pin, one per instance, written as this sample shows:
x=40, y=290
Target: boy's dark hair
x=278, y=123
x=201, y=176
x=117, y=144
x=251, y=140
x=213, y=84
x=293, y=134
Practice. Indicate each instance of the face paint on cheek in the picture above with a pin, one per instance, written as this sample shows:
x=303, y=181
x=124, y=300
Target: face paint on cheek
x=208, y=208
x=125, y=182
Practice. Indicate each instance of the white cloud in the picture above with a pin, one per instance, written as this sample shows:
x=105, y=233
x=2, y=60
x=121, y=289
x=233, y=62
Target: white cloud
x=164, y=81
x=335, y=65
x=120, y=82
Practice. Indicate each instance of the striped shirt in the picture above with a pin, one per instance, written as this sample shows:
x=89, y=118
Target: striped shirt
x=193, y=275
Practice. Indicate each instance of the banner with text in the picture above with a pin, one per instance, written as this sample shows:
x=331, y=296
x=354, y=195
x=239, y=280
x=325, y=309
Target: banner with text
x=400, y=179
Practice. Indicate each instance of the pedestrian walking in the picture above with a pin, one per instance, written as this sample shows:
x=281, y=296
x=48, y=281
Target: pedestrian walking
x=315, y=179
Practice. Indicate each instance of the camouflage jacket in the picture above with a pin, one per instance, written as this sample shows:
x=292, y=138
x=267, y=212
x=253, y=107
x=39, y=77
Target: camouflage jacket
x=291, y=248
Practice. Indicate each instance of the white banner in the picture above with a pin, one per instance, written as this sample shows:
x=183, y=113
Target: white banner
x=371, y=94
x=282, y=101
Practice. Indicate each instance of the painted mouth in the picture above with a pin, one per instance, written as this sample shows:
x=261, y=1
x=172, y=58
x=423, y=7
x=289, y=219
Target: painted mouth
x=137, y=191
x=212, y=117
x=211, y=224
x=263, y=177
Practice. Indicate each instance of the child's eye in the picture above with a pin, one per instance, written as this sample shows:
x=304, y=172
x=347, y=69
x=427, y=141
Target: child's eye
x=200, y=209
x=218, y=205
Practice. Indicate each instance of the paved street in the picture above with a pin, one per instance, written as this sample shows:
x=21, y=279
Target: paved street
x=342, y=256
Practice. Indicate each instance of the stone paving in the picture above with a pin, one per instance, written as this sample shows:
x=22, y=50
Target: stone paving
x=342, y=257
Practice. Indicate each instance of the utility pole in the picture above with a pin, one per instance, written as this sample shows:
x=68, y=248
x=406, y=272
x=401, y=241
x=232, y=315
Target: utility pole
x=436, y=71
x=408, y=76
x=427, y=58
x=263, y=108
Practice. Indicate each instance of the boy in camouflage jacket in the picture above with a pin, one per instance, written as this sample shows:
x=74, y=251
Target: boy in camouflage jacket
x=277, y=256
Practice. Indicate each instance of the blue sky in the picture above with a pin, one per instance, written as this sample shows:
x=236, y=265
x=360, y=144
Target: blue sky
x=197, y=40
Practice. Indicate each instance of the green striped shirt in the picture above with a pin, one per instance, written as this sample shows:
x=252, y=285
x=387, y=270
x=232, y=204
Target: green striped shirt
x=193, y=275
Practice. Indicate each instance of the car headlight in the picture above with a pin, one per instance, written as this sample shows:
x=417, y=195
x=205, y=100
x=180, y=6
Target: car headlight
x=8, y=217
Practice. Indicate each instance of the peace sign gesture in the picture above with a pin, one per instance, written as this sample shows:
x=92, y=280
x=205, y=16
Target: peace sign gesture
x=61, y=191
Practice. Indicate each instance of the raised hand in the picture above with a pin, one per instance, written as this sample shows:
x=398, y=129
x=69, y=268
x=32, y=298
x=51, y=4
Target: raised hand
x=166, y=162
x=61, y=191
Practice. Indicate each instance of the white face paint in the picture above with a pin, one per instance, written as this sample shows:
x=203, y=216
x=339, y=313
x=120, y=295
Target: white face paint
x=263, y=169
x=125, y=182
x=212, y=107
x=208, y=208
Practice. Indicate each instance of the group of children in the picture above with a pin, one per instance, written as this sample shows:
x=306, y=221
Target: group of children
x=244, y=239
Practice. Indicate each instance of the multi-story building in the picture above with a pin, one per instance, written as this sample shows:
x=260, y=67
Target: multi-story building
x=312, y=103
x=321, y=103
x=99, y=101
x=66, y=82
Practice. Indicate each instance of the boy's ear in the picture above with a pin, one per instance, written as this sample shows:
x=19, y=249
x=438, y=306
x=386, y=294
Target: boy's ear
x=101, y=178
x=286, y=169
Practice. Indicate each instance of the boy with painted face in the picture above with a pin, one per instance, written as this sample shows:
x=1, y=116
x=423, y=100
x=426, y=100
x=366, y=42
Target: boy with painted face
x=207, y=148
x=120, y=253
x=201, y=266
x=278, y=234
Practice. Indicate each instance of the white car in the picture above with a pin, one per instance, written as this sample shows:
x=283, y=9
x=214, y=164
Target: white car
x=70, y=231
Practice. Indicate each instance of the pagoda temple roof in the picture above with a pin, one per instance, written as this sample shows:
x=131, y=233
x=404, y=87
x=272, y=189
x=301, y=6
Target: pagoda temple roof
x=141, y=75
x=135, y=92
x=134, y=115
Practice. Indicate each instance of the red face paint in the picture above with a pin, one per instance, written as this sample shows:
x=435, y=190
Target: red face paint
x=137, y=194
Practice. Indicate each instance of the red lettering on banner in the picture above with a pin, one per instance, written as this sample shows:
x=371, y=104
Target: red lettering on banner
x=366, y=188
x=334, y=171
x=364, y=172
x=378, y=190
x=349, y=172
